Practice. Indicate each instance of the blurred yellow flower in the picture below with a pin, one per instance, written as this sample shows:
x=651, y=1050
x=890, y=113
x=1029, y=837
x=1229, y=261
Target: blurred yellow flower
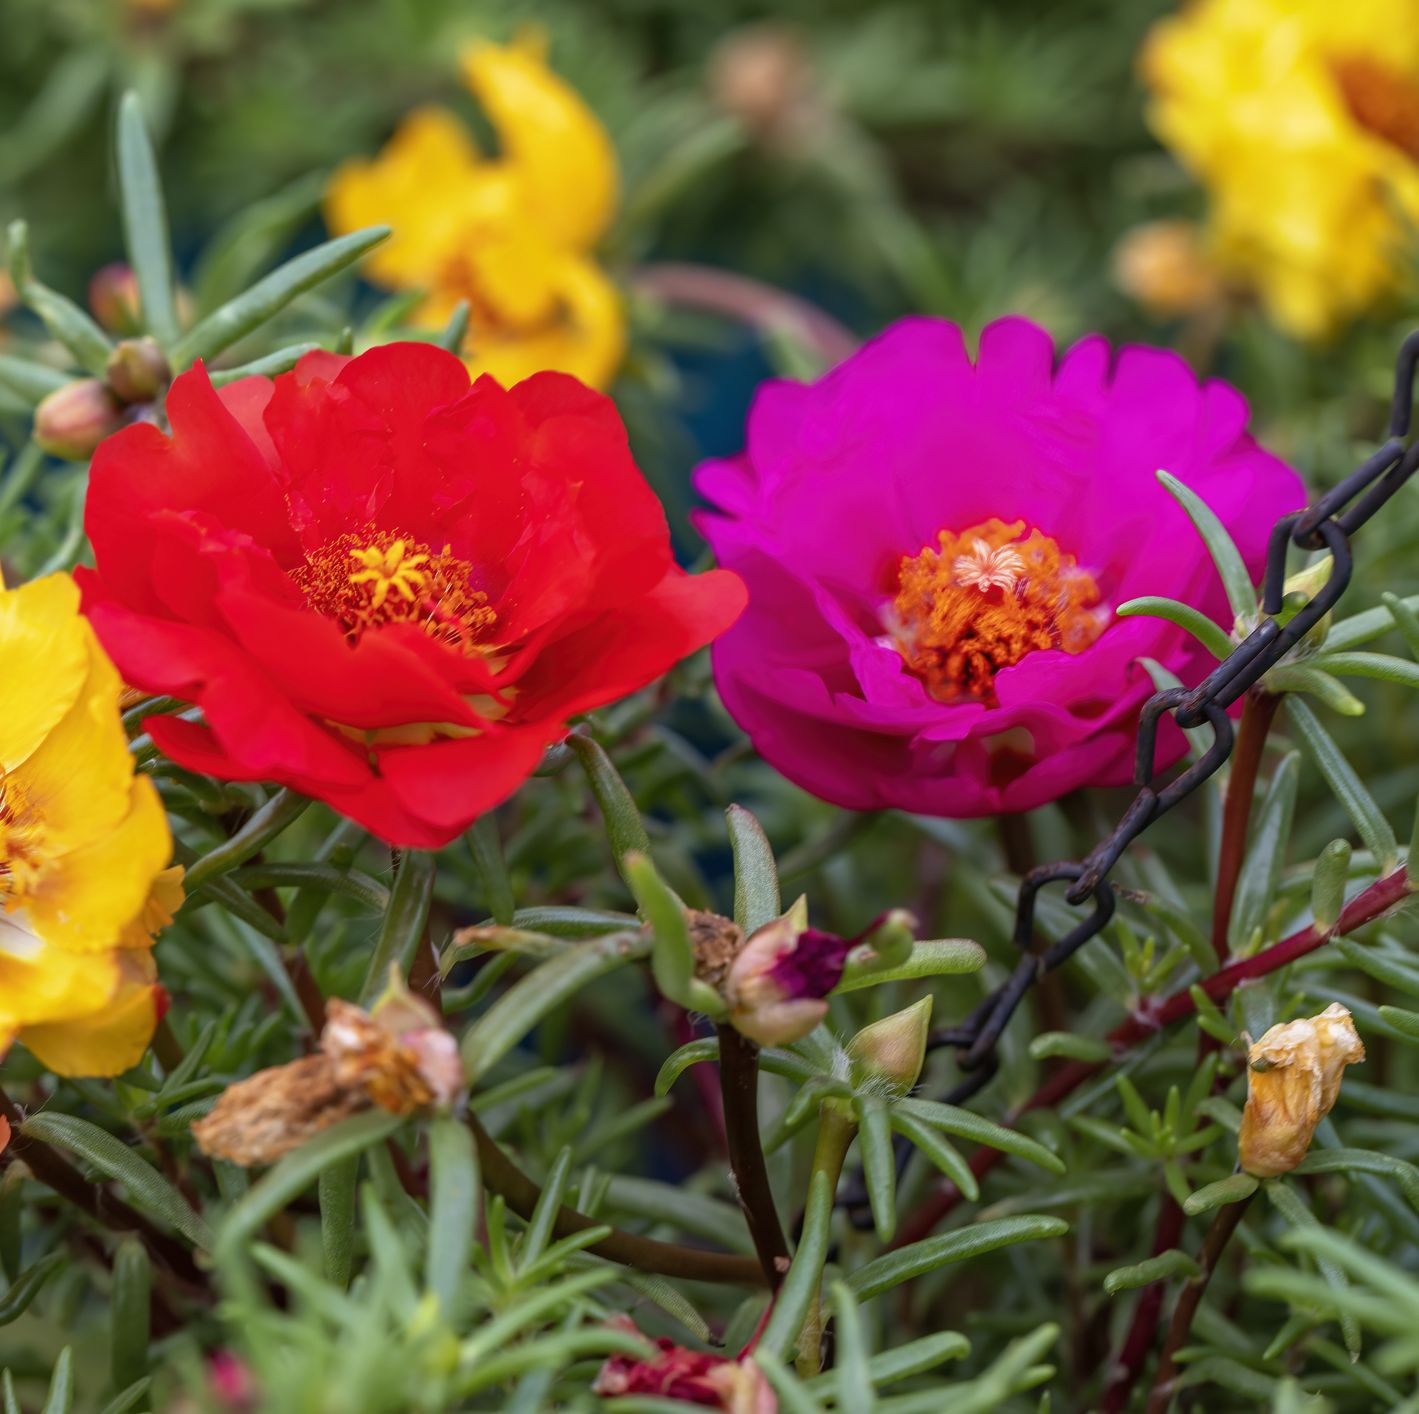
x=511, y=233
x=84, y=845
x=1302, y=119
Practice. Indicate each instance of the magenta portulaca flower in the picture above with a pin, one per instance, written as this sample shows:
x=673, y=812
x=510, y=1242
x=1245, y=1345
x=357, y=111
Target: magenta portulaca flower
x=935, y=547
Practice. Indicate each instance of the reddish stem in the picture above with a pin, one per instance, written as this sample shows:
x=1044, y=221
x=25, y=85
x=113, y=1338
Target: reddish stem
x=1139, y=1343
x=1215, y=1243
x=768, y=310
x=1364, y=908
x=1257, y=716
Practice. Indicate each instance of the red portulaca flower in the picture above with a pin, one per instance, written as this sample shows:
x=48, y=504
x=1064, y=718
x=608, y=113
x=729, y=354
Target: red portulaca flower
x=385, y=588
x=711, y=1381
x=935, y=547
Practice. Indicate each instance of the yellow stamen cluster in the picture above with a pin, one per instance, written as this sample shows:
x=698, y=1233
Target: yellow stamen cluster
x=368, y=578
x=21, y=842
x=983, y=601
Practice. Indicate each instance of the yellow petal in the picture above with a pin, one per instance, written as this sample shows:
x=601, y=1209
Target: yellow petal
x=89, y=896
x=44, y=646
x=78, y=778
x=40, y=982
x=560, y=151
x=427, y=182
x=588, y=340
x=108, y=1041
x=164, y=900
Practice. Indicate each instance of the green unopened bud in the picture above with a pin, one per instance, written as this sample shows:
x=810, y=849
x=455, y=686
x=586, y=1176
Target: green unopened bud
x=892, y=937
x=74, y=419
x=1299, y=590
x=1332, y=871
x=137, y=370
x=893, y=1049
x=113, y=298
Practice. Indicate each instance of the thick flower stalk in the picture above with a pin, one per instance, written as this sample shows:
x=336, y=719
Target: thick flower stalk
x=84, y=847
x=511, y=234
x=386, y=588
x=1301, y=117
x=935, y=547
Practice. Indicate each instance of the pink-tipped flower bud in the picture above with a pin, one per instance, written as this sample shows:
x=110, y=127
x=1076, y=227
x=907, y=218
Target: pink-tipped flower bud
x=114, y=299
x=137, y=370
x=893, y=1049
x=891, y=937
x=775, y=987
x=74, y=419
x=1293, y=1081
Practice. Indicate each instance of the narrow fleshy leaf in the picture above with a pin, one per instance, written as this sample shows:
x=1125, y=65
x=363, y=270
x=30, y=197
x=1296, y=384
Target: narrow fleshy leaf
x=145, y=222
x=542, y=991
x=1213, y=637
x=147, y=1188
x=248, y=311
x=1346, y=785
x=1231, y=568
x=756, y=891
x=932, y=1253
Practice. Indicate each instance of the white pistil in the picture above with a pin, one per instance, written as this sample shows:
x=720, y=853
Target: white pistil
x=986, y=569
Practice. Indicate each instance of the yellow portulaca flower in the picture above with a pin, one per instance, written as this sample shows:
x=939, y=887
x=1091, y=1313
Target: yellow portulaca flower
x=84, y=846
x=1302, y=119
x=511, y=233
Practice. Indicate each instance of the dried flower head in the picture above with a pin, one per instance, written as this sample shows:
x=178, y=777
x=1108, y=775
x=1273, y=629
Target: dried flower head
x=1293, y=1080
x=396, y=1056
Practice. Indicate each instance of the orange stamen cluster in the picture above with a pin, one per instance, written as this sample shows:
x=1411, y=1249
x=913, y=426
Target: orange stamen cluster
x=1381, y=99
x=20, y=843
x=364, y=579
x=983, y=601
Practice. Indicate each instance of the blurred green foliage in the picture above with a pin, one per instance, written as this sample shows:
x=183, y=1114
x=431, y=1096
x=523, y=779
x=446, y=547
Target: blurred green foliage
x=963, y=158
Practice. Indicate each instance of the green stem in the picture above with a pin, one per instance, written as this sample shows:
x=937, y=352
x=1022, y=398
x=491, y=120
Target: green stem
x=798, y=1312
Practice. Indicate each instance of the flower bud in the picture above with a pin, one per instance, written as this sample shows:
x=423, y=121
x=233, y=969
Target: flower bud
x=74, y=419
x=1298, y=591
x=893, y=1049
x=1293, y=1081
x=891, y=937
x=137, y=370
x=114, y=300
x=1163, y=265
x=763, y=77
x=776, y=985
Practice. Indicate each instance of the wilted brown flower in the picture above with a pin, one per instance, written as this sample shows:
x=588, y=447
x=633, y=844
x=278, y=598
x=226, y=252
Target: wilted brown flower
x=397, y=1056
x=1293, y=1080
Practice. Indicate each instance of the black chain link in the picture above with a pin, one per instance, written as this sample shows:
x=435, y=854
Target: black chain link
x=1326, y=525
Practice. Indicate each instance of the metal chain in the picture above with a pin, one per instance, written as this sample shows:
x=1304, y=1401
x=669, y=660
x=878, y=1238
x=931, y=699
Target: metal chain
x=1328, y=525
